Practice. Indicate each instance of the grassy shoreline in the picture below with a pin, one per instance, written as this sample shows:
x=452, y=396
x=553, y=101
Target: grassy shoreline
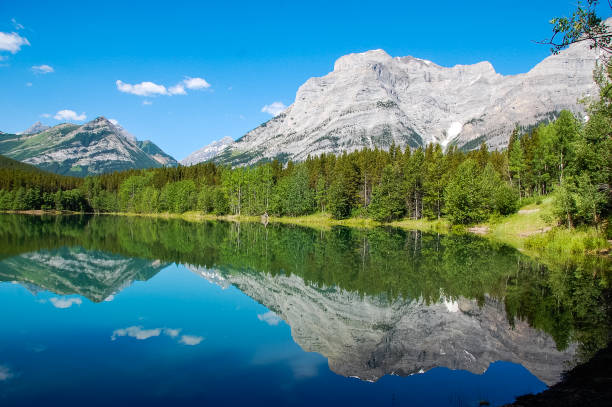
x=530, y=230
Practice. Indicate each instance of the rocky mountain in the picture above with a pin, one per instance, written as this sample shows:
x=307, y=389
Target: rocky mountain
x=147, y=146
x=371, y=99
x=36, y=128
x=369, y=337
x=156, y=153
x=93, y=148
x=208, y=152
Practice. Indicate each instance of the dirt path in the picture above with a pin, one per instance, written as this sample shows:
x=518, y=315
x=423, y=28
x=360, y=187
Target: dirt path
x=479, y=230
x=535, y=232
x=526, y=211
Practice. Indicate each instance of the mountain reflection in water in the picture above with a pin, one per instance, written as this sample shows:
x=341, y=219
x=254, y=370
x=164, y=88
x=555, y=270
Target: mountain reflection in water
x=372, y=302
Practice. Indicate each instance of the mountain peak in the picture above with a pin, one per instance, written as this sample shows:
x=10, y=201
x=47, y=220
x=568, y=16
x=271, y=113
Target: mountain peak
x=101, y=119
x=358, y=60
x=36, y=128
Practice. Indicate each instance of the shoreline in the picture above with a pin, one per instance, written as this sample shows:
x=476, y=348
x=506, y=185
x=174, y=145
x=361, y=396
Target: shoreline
x=525, y=230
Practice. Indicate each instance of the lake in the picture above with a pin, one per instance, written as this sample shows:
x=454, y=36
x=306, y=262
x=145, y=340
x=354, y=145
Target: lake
x=103, y=310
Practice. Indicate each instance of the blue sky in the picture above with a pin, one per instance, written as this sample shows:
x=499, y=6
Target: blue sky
x=248, y=54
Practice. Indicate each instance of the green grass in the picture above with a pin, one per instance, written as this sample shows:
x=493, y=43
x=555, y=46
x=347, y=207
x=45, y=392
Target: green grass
x=534, y=231
x=565, y=242
x=530, y=220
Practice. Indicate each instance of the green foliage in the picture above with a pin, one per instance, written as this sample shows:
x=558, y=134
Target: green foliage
x=582, y=25
x=465, y=199
x=387, y=197
x=293, y=195
x=178, y=197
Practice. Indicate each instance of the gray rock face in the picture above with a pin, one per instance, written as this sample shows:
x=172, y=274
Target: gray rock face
x=371, y=337
x=93, y=148
x=208, y=152
x=371, y=100
x=36, y=128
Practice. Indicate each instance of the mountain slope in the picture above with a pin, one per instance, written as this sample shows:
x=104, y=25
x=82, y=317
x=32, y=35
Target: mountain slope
x=373, y=100
x=208, y=152
x=153, y=151
x=93, y=148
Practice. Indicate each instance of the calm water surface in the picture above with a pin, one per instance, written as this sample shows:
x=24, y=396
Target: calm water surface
x=120, y=311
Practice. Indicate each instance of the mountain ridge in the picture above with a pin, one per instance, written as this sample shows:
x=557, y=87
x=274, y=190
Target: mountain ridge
x=96, y=147
x=372, y=99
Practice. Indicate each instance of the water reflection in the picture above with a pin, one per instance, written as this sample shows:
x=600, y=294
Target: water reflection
x=368, y=337
x=374, y=303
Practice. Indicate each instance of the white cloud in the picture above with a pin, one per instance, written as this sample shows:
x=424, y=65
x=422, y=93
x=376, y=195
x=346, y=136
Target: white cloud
x=12, y=42
x=16, y=24
x=191, y=340
x=173, y=333
x=177, y=89
x=42, y=69
x=5, y=373
x=142, y=88
x=153, y=89
x=137, y=332
x=196, y=83
x=63, y=302
x=147, y=102
x=45, y=115
x=28, y=84
x=274, y=108
x=69, y=115
x=269, y=318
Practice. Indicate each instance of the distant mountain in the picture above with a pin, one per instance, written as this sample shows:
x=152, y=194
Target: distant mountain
x=93, y=148
x=372, y=100
x=208, y=152
x=36, y=128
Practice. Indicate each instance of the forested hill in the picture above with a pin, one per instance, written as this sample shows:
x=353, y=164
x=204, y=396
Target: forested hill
x=9, y=163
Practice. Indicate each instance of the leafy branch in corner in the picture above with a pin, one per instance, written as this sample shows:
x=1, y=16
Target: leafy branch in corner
x=582, y=25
